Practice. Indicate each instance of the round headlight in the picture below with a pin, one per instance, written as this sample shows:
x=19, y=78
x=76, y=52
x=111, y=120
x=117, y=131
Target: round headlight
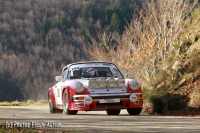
x=93, y=83
x=79, y=88
x=102, y=83
x=121, y=82
x=134, y=85
x=111, y=82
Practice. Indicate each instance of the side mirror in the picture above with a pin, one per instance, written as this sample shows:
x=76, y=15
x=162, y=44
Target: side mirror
x=130, y=76
x=59, y=78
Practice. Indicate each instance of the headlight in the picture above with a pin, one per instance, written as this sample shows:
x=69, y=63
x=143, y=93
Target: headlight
x=121, y=82
x=93, y=83
x=111, y=82
x=79, y=88
x=134, y=85
x=102, y=83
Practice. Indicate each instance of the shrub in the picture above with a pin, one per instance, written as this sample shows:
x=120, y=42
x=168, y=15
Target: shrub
x=145, y=93
x=156, y=99
x=194, y=62
x=164, y=102
x=162, y=76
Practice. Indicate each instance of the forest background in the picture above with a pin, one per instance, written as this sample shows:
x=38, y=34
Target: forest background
x=38, y=38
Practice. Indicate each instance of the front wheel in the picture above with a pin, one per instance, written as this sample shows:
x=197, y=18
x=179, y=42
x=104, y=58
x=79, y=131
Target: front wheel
x=66, y=109
x=113, y=111
x=134, y=111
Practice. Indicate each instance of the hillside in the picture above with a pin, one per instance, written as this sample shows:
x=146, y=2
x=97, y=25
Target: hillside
x=176, y=90
x=38, y=38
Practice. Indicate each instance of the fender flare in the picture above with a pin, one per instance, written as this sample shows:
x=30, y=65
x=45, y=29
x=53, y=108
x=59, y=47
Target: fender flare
x=68, y=92
x=52, y=96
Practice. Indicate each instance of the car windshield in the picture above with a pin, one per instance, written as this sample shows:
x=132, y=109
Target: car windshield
x=89, y=72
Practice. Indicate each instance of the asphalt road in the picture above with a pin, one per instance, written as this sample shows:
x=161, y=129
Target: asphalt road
x=95, y=121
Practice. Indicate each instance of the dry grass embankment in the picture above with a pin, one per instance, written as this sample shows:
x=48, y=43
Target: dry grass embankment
x=176, y=90
x=24, y=103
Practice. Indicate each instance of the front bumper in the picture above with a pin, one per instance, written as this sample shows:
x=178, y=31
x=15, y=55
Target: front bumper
x=106, y=101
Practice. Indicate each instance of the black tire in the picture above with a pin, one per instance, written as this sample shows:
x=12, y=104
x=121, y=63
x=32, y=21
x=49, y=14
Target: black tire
x=60, y=111
x=134, y=111
x=51, y=108
x=113, y=111
x=66, y=109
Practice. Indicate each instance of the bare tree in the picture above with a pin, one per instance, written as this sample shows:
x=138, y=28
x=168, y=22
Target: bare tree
x=163, y=19
x=147, y=40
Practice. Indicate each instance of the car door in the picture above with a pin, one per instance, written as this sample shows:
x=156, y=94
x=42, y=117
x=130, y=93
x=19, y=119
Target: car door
x=59, y=86
x=57, y=92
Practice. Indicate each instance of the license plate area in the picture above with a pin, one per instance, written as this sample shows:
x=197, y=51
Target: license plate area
x=115, y=100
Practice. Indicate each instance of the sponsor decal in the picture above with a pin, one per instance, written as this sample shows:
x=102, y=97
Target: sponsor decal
x=107, y=64
x=92, y=64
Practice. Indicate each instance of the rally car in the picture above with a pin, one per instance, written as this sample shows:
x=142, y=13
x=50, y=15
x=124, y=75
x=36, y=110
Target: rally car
x=94, y=86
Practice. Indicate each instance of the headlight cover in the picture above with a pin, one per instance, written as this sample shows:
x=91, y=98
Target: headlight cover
x=79, y=88
x=121, y=82
x=93, y=83
x=134, y=85
x=102, y=83
x=111, y=82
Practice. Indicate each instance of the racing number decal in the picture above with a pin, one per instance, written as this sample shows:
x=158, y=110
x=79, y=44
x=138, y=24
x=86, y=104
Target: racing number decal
x=58, y=92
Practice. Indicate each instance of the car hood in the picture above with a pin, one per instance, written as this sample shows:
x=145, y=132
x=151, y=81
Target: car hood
x=99, y=90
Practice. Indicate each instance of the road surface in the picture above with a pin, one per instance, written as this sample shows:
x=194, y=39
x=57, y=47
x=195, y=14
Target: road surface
x=38, y=117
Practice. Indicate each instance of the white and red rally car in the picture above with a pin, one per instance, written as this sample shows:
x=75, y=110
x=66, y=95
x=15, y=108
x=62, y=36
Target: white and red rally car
x=89, y=86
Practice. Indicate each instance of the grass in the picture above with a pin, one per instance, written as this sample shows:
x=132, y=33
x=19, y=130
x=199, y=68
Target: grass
x=195, y=98
x=176, y=87
x=24, y=103
x=145, y=92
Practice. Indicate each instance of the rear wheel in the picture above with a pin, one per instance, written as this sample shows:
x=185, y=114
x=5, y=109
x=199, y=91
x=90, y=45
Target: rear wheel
x=66, y=109
x=51, y=108
x=134, y=111
x=113, y=111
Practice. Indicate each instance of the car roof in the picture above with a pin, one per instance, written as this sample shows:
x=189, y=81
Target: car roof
x=86, y=62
